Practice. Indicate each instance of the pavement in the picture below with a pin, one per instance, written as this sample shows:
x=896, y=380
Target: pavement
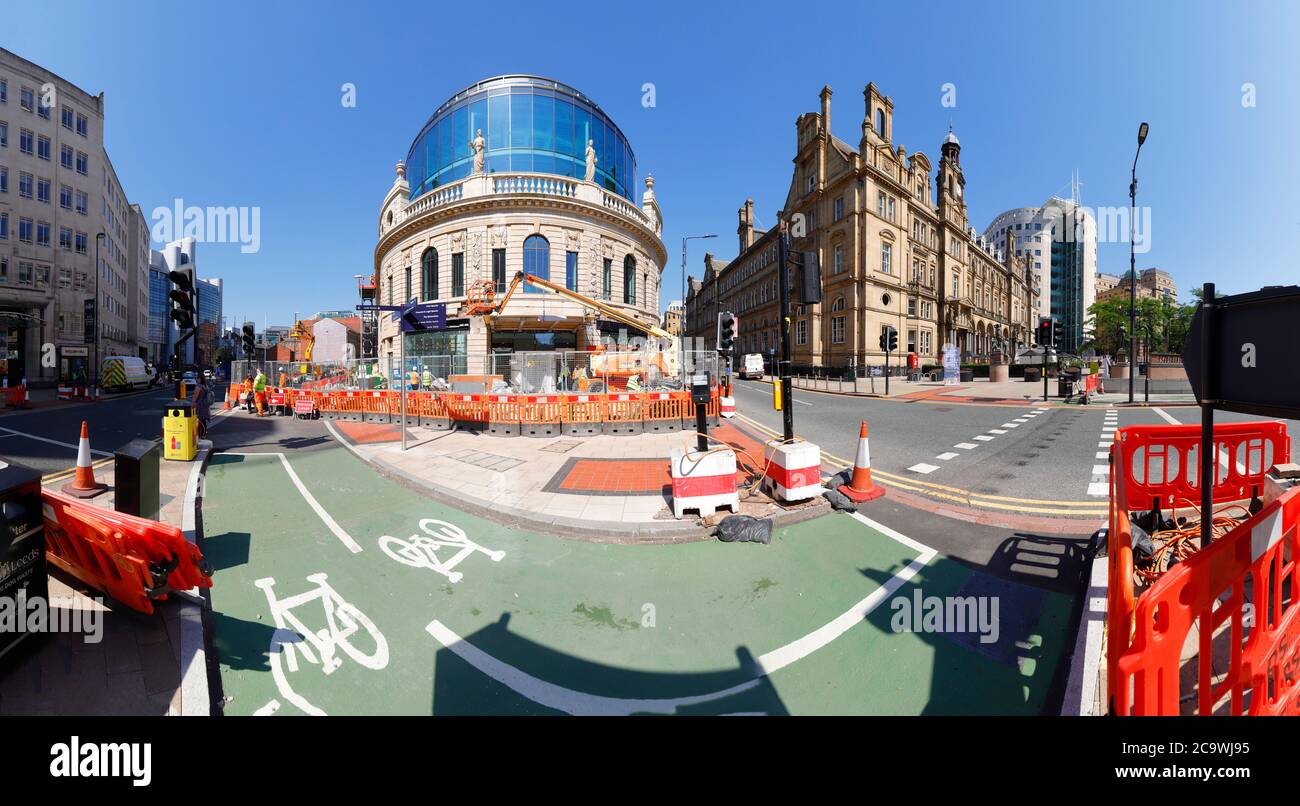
x=339, y=590
x=138, y=666
x=1015, y=392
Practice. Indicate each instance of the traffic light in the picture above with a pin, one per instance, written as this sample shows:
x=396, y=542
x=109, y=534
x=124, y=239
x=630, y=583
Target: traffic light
x=182, y=297
x=1058, y=332
x=726, y=331
x=1045, y=331
x=250, y=341
x=888, y=339
x=807, y=267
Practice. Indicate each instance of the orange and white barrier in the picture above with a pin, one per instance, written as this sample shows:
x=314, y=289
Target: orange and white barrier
x=727, y=407
x=860, y=487
x=703, y=481
x=83, y=484
x=794, y=470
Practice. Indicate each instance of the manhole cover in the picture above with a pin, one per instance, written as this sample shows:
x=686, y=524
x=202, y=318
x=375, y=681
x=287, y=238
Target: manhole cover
x=562, y=446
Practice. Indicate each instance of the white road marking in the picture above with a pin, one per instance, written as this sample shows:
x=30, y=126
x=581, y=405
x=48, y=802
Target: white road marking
x=1010, y=425
x=73, y=446
x=1103, y=444
x=1020, y=420
x=966, y=446
x=1101, y=470
x=344, y=537
x=946, y=456
x=576, y=702
x=923, y=468
x=1166, y=416
x=1103, y=454
x=1101, y=488
x=984, y=438
x=1110, y=429
x=998, y=431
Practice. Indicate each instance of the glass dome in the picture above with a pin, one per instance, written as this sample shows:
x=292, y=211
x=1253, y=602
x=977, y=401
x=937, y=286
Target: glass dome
x=530, y=124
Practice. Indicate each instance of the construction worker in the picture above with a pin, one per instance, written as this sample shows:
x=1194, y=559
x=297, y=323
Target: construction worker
x=248, y=393
x=426, y=380
x=259, y=392
x=413, y=380
x=284, y=379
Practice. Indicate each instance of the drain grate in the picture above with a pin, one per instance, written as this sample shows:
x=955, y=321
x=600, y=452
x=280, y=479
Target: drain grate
x=562, y=446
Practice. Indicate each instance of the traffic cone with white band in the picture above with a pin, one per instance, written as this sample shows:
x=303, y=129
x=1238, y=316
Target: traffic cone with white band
x=860, y=488
x=83, y=484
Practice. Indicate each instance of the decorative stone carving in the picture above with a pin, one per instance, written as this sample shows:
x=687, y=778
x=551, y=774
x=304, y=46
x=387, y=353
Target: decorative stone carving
x=571, y=240
x=475, y=254
x=478, y=146
x=458, y=241
x=591, y=162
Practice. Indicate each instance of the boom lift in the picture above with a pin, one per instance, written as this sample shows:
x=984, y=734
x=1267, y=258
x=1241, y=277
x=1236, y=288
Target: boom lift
x=661, y=359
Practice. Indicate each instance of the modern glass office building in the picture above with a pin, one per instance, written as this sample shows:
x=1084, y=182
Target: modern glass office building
x=530, y=124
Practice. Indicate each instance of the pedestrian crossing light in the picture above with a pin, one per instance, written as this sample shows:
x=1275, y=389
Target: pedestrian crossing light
x=726, y=331
x=250, y=340
x=182, y=297
x=1045, y=331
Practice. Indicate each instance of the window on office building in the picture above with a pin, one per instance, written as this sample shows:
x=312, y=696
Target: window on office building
x=499, y=270
x=458, y=274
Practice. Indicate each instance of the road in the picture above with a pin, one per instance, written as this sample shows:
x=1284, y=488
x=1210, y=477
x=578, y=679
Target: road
x=46, y=438
x=324, y=602
x=1029, y=459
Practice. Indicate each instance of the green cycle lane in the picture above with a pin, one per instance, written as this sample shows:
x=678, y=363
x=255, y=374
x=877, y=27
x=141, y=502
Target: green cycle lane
x=339, y=591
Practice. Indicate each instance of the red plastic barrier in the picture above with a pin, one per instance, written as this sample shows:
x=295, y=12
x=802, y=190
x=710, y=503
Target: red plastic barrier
x=541, y=409
x=1159, y=464
x=134, y=560
x=584, y=408
x=466, y=407
x=663, y=405
x=623, y=407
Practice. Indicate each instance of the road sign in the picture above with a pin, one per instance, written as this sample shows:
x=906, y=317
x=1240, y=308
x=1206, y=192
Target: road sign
x=1252, y=359
x=88, y=317
x=418, y=317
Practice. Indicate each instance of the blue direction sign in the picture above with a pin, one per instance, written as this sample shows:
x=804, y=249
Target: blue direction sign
x=420, y=316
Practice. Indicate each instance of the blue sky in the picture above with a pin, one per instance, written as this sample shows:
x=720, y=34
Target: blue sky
x=237, y=103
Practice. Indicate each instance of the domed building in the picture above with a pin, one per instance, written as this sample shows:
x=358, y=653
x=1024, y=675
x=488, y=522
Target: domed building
x=518, y=173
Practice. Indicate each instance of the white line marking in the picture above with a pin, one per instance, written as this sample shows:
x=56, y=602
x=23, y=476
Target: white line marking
x=984, y=438
x=946, y=456
x=1103, y=454
x=54, y=441
x=576, y=702
x=344, y=537
x=1104, y=444
x=923, y=468
x=966, y=446
x=1101, y=470
x=1166, y=416
x=1110, y=429
x=998, y=431
x=1021, y=420
x=1101, y=488
x=1010, y=425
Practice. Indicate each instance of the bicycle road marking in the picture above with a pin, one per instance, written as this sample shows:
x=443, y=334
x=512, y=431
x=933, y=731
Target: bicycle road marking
x=343, y=536
x=575, y=702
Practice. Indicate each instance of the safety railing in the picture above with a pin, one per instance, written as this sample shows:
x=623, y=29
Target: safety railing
x=1228, y=610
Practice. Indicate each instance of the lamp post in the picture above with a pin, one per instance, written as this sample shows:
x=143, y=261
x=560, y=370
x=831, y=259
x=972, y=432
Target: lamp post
x=681, y=336
x=99, y=236
x=1132, y=263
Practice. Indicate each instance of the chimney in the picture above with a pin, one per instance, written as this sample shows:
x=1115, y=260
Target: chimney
x=745, y=229
x=826, y=110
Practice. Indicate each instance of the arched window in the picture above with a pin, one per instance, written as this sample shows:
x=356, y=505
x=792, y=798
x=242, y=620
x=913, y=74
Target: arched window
x=837, y=305
x=429, y=275
x=880, y=122
x=537, y=260
x=629, y=280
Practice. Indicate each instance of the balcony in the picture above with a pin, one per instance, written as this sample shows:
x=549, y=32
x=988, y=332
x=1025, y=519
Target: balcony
x=526, y=185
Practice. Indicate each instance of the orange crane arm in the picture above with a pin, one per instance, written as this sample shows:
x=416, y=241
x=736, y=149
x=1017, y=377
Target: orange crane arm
x=607, y=310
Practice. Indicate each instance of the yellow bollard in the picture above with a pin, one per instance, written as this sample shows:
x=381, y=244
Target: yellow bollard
x=776, y=393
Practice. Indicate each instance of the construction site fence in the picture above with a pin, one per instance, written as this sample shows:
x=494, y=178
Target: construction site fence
x=504, y=414
x=533, y=372
x=1219, y=632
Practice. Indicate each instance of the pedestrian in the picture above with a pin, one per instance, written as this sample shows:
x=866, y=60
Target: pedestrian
x=202, y=401
x=259, y=392
x=248, y=393
x=427, y=378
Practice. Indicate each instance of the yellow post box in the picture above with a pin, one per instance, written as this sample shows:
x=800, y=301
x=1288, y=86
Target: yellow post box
x=180, y=431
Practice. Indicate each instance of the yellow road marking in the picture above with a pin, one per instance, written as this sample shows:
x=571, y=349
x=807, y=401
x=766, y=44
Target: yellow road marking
x=59, y=475
x=959, y=495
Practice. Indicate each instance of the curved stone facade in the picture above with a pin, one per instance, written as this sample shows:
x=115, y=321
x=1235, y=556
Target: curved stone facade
x=491, y=225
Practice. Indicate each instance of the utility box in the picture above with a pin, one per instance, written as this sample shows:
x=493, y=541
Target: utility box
x=22, y=547
x=180, y=431
x=135, y=477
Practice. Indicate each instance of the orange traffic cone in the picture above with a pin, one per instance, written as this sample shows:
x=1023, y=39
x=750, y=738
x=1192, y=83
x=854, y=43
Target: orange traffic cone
x=83, y=484
x=860, y=488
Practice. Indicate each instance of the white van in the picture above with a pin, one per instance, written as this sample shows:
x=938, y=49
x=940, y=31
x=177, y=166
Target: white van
x=751, y=366
x=123, y=372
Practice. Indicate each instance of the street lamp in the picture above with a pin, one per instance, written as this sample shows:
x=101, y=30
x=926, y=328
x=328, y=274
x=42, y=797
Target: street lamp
x=681, y=340
x=1132, y=263
x=98, y=271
